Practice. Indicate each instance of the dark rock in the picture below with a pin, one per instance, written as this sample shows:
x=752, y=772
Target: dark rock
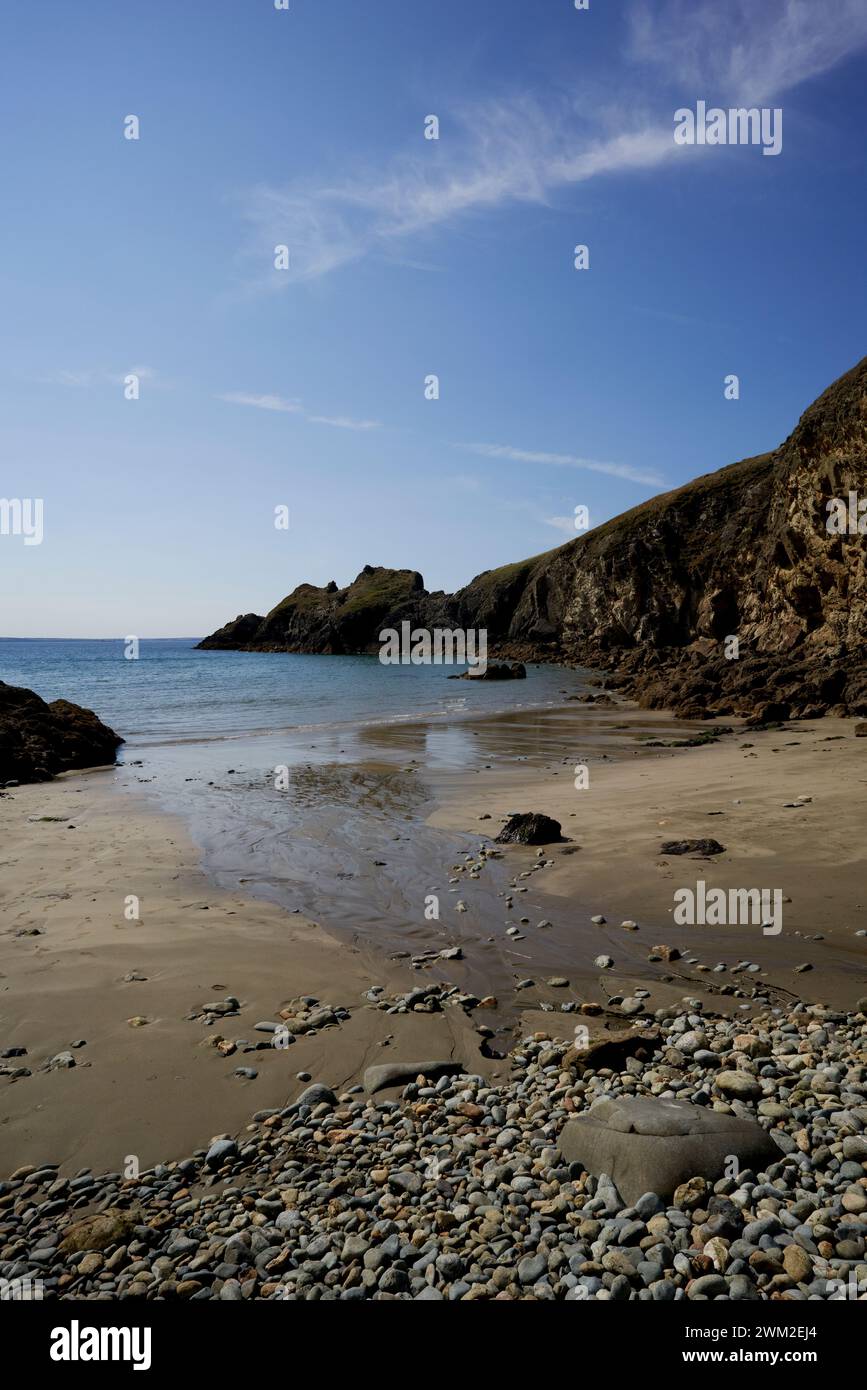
x=530, y=828
x=38, y=740
x=692, y=847
x=495, y=671
x=220, y=1152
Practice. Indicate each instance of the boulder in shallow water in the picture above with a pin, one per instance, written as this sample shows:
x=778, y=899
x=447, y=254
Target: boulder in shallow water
x=494, y=671
x=648, y=1144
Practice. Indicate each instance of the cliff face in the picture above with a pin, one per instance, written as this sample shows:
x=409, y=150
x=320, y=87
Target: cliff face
x=745, y=552
x=38, y=740
x=653, y=594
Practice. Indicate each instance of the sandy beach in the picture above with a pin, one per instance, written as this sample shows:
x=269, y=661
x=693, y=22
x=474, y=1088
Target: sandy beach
x=742, y=791
x=160, y=1089
x=75, y=850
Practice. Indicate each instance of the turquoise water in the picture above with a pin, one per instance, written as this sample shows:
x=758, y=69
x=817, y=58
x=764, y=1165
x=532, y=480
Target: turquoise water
x=174, y=693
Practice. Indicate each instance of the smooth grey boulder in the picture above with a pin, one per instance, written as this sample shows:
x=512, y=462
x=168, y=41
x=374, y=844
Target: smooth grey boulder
x=314, y=1095
x=652, y=1145
x=399, y=1073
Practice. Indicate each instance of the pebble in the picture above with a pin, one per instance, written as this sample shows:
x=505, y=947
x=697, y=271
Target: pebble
x=456, y=1191
x=61, y=1061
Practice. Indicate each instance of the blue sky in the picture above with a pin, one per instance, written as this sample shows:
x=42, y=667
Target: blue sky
x=408, y=257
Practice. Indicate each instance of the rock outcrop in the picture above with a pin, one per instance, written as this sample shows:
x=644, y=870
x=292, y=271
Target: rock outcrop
x=38, y=740
x=330, y=620
x=646, y=1144
x=766, y=551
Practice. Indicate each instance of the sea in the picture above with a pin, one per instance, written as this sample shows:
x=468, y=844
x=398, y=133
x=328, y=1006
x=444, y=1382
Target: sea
x=174, y=693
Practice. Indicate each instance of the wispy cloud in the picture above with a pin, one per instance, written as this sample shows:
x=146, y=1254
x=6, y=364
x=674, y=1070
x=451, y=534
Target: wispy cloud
x=744, y=51
x=64, y=377
x=518, y=150
x=613, y=470
x=511, y=152
x=566, y=524
x=99, y=376
x=295, y=407
x=262, y=402
x=341, y=422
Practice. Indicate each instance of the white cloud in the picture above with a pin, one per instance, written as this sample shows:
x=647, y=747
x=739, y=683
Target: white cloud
x=747, y=51
x=263, y=402
x=295, y=407
x=71, y=378
x=517, y=150
x=612, y=470
x=341, y=422
x=562, y=523
x=99, y=376
x=511, y=153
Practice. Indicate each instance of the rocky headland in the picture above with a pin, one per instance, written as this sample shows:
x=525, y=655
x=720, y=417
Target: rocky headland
x=756, y=551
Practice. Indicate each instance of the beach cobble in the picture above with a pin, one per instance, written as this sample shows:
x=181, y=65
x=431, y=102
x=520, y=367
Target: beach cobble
x=455, y=1189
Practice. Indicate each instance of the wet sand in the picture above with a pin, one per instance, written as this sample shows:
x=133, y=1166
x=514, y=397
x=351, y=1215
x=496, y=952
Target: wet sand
x=742, y=792
x=325, y=890
x=156, y=1091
